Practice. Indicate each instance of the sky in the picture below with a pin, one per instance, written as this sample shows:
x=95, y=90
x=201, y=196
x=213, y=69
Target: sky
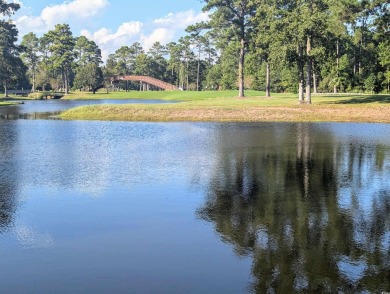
x=112, y=23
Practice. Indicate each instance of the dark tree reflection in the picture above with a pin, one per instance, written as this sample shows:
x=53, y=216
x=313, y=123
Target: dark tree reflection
x=311, y=210
x=8, y=175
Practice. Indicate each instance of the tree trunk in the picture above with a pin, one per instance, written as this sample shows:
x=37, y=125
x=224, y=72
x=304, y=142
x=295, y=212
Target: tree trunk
x=33, y=81
x=268, y=82
x=354, y=53
x=241, y=69
x=335, y=89
x=198, y=73
x=301, y=74
x=182, y=76
x=5, y=90
x=63, y=79
x=308, y=71
x=315, y=90
x=66, y=81
x=187, y=73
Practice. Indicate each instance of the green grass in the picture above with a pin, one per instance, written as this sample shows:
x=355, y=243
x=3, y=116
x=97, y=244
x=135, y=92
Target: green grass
x=281, y=99
x=8, y=102
x=13, y=97
x=164, y=95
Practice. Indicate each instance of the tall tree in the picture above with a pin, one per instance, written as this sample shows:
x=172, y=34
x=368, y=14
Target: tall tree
x=200, y=43
x=231, y=19
x=302, y=24
x=381, y=11
x=45, y=71
x=266, y=35
x=158, y=64
x=9, y=55
x=186, y=57
x=87, y=51
x=61, y=45
x=124, y=60
x=174, y=62
x=30, y=56
x=11, y=66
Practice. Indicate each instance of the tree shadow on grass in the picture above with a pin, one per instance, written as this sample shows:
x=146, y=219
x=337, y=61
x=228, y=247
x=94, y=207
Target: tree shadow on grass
x=365, y=99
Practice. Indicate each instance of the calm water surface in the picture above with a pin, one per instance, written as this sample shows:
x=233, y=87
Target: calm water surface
x=112, y=207
x=48, y=109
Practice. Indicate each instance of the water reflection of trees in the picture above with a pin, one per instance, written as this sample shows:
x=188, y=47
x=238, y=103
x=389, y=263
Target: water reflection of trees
x=8, y=176
x=35, y=115
x=289, y=197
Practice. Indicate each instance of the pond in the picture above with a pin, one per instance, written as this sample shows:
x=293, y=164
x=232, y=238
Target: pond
x=48, y=109
x=119, y=207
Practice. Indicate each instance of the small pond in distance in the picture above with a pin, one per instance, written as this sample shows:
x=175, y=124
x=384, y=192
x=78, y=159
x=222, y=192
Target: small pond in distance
x=48, y=109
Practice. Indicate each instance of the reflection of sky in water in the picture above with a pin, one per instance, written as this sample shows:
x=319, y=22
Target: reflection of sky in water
x=386, y=242
x=300, y=282
x=116, y=154
x=352, y=270
x=29, y=238
x=363, y=185
x=369, y=133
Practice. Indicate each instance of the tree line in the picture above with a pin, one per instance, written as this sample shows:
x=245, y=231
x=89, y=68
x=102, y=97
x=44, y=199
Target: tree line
x=302, y=46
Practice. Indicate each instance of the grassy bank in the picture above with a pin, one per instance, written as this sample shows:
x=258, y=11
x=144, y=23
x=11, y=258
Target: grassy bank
x=224, y=106
x=8, y=102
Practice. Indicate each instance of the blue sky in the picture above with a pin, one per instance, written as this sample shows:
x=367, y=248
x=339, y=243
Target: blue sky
x=112, y=23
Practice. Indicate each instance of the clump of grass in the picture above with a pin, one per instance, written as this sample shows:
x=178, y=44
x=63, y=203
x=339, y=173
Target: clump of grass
x=41, y=95
x=37, y=95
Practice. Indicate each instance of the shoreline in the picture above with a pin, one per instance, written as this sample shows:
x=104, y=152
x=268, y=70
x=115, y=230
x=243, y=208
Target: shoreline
x=10, y=103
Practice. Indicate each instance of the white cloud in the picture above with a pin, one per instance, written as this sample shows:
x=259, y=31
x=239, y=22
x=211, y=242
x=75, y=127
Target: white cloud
x=125, y=32
x=182, y=19
x=76, y=10
x=26, y=24
x=109, y=41
x=161, y=35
